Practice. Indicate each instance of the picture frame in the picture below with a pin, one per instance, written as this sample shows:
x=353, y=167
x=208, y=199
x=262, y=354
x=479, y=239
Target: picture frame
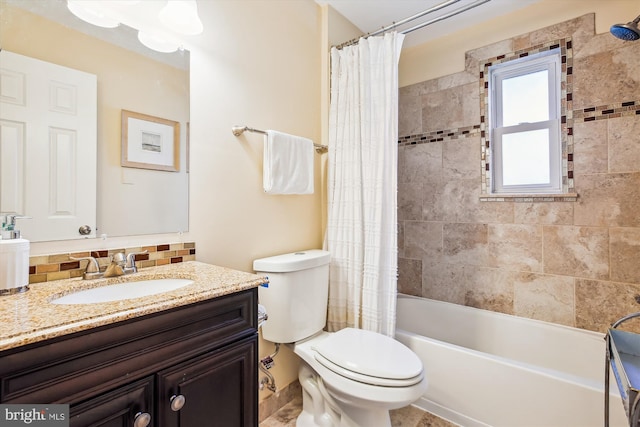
x=150, y=142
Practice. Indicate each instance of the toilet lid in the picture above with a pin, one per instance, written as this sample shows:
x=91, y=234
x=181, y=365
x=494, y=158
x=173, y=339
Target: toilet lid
x=369, y=357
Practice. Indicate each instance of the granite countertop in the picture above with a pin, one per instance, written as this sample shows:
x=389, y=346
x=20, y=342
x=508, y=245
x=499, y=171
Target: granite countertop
x=30, y=317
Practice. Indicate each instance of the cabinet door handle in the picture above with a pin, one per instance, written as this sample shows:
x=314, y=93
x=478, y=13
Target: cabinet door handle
x=177, y=402
x=142, y=419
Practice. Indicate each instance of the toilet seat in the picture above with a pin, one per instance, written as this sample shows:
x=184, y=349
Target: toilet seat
x=369, y=357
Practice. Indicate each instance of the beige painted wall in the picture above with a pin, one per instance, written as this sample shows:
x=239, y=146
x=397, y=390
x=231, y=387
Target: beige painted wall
x=446, y=55
x=257, y=64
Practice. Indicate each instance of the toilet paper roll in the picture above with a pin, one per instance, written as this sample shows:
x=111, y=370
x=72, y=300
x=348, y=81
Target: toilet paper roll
x=14, y=263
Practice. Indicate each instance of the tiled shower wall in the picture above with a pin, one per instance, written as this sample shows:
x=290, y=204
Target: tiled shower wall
x=573, y=262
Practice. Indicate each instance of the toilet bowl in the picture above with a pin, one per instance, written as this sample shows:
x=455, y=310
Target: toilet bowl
x=356, y=388
x=349, y=378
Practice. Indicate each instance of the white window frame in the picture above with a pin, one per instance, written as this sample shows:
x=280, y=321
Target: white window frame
x=551, y=62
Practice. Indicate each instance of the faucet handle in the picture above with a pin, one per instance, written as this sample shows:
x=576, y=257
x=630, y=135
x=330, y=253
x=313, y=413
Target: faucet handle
x=131, y=260
x=93, y=269
x=118, y=258
x=92, y=265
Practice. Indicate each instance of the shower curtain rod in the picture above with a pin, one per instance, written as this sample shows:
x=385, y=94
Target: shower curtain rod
x=417, y=16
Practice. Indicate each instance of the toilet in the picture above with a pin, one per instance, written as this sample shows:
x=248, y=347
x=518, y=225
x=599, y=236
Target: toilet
x=349, y=378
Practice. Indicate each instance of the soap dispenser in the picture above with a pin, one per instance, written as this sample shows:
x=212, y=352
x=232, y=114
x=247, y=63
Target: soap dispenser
x=14, y=258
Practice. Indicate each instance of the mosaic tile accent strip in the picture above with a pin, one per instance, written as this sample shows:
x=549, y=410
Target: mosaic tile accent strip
x=611, y=111
x=441, y=135
x=566, y=52
x=529, y=199
x=45, y=268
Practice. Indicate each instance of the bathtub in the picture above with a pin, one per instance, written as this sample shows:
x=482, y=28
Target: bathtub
x=491, y=369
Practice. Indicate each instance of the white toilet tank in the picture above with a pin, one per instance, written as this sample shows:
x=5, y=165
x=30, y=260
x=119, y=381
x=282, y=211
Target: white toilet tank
x=296, y=296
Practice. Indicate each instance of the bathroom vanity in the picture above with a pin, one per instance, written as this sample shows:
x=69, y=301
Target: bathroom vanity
x=183, y=358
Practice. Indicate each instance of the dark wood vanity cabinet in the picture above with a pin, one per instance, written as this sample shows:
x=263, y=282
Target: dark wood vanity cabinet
x=117, y=408
x=192, y=366
x=223, y=375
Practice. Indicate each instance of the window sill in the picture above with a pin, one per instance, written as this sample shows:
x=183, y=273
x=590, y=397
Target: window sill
x=555, y=197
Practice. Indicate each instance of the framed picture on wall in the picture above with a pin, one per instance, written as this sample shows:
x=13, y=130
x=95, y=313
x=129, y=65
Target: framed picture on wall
x=150, y=142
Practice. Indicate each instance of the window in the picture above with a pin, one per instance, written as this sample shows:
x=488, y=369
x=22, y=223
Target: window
x=524, y=124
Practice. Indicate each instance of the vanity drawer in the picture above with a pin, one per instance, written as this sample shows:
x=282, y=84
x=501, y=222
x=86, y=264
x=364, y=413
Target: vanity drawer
x=72, y=368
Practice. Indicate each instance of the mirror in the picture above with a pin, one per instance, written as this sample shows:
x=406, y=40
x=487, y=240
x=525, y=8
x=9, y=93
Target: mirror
x=131, y=77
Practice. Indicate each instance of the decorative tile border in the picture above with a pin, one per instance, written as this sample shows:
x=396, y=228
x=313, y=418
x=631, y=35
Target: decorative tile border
x=440, y=135
x=566, y=88
x=522, y=198
x=45, y=268
x=611, y=111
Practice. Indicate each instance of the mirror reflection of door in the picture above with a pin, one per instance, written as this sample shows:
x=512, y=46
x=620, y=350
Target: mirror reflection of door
x=48, y=143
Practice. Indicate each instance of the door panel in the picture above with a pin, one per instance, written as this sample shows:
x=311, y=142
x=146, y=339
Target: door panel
x=48, y=119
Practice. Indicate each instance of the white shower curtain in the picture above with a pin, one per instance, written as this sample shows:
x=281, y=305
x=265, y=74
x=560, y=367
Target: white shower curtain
x=363, y=156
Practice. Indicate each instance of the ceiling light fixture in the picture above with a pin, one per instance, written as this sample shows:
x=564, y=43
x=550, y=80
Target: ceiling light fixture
x=159, y=23
x=90, y=11
x=181, y=16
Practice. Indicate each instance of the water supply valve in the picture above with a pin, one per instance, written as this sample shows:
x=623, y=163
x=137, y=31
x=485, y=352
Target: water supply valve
x=267, y=362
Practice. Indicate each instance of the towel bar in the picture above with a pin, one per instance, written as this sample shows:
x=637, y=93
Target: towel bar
x=239, y=130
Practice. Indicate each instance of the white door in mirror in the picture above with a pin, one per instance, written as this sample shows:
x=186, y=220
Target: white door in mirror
x=123, y=291
x=48, y=120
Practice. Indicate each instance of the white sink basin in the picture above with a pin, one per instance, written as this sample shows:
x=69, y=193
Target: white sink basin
x=123, y=291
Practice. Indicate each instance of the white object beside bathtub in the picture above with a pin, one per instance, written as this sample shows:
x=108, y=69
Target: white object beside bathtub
x=287, y=164
x=492, y=369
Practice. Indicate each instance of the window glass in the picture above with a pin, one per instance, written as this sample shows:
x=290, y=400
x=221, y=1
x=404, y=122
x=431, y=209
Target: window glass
x=525, y=158
x=525, y=98
x=524, y=123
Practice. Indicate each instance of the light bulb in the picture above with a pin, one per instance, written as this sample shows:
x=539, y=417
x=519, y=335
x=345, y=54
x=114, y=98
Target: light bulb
x=181, y=16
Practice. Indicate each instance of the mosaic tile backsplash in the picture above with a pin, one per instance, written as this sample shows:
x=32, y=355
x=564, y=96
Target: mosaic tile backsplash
x=45, y=268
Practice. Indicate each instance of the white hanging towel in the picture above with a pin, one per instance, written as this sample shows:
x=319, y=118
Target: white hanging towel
x=288, y=164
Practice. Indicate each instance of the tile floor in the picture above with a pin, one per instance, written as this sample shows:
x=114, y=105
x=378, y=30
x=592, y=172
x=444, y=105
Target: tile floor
x=408, y=416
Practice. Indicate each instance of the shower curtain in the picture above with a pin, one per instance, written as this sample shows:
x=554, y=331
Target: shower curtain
x=362, y=185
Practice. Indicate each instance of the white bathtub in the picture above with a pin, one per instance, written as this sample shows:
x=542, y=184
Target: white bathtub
x=492, y=369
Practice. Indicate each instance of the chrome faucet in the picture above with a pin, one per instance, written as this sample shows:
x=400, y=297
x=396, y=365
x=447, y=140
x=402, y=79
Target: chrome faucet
x=119, y=266
x=130, y=266
x=93, y=269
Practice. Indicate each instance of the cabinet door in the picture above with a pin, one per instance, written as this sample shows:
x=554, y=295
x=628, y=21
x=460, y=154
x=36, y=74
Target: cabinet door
x=117, y=408
x=219, y=389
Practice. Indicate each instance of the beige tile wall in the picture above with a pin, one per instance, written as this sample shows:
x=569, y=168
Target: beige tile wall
x=576, y=262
